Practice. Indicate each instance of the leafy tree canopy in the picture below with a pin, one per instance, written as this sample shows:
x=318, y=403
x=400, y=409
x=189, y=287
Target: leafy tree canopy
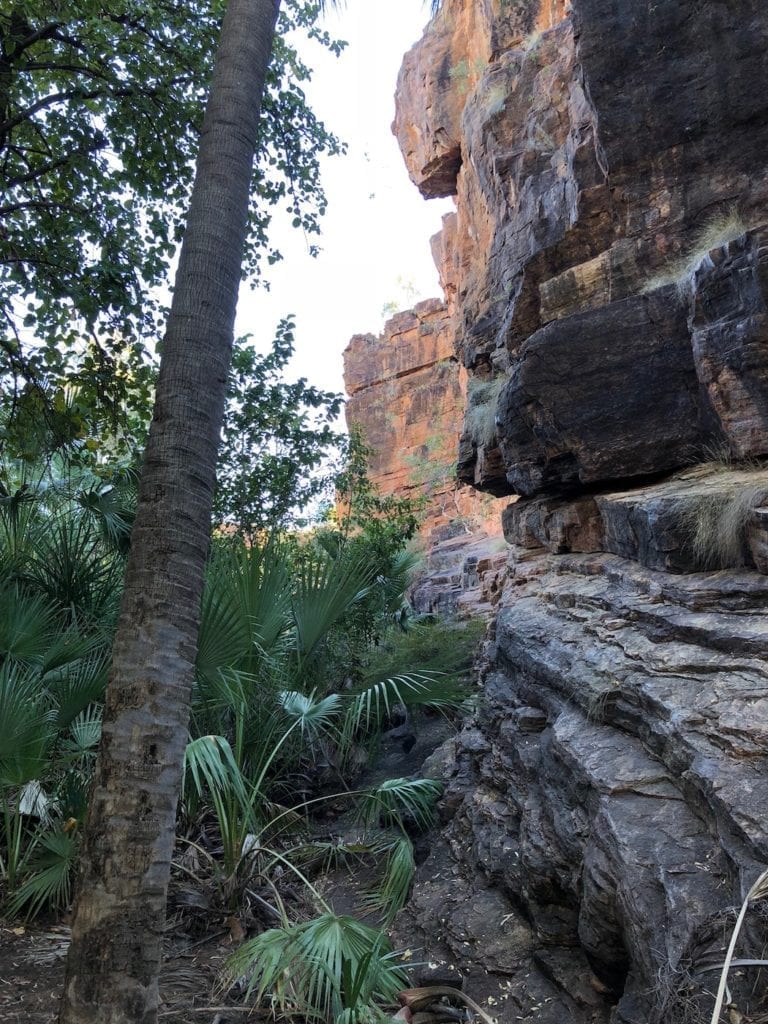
x=100, y=111
x=275, y=439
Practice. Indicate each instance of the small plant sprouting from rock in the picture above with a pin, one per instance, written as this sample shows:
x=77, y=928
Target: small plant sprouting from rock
x=495, y=100
x=480, y=420
x=720, y=230
x=602, y=704
x=465, y=73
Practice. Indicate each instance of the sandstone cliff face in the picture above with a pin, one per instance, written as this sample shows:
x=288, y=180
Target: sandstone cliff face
x=606, y=282
x=407, y=394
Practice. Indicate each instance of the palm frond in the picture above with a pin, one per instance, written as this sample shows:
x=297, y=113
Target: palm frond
x=84, y=734
x=391, y=893
x=26, y=726
x=70, y=567
x=49, y=883
x=399, y=801
x=211, y=764
x=27, y=626
x=395, y=581
x=375, y=701
x=322, y=967
x=245, y=610
x=311, y=715
x=74, y=686
x=111, y=509
x=326, y=589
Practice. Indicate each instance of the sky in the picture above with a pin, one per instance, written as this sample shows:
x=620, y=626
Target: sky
x=375, y=235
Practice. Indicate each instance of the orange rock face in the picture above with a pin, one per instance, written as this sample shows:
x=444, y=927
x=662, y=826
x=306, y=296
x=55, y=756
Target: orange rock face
x=606, y=281
x=441, y=72
x=407, y=395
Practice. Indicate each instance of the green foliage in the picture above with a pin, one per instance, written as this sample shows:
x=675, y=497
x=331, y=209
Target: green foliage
x=49, y=736
x=330, y=968
x=465, y=74
x=381, y=524
x=396, y=800
x=275, y=439
x=61, y=544
x=100, y=114
x=443, y=648
x=433, y=469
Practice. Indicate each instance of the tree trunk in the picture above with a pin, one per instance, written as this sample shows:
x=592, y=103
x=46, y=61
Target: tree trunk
x=114, y=959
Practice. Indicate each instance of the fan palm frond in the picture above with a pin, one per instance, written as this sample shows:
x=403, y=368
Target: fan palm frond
x=211, y=765
x=246, y=608
x=391, y=893
x=111, y=508
x=325, y=590
x=49, y=882
x=27, y=626
x=84, y=734
x=399, y=801
x=26, y=726
x=395, y=581
x=70, y=566
x=311, y=715
x=325, y=966
x=75, y=685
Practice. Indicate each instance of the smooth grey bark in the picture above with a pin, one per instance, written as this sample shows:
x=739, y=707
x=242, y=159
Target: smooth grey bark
x=114, y=959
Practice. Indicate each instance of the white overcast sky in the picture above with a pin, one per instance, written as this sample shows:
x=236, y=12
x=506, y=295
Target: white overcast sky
x=377, y=228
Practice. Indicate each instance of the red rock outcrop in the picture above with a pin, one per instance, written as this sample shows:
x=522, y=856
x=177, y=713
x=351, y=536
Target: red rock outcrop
x=407, y=395
x=606, y=281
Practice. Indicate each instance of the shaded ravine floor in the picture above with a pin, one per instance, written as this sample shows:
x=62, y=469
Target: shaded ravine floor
x=32, y=959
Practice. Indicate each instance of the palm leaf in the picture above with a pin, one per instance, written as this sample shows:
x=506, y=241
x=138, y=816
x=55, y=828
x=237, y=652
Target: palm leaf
x=320, y=966
x=400, y=800
x=374, y=702
x=391, y=893
x=84, y=734
x=211, y=765
x=73, y=687
x=70, y=567
x=49, y=884
x=245, y=611
x=311, y=715
x=27, y=626
x=111, y=508
x=326, y=590
x=394, y=583
x=26, y=727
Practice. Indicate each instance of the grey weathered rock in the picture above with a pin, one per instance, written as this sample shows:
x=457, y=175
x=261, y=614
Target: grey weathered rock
x=730, y=337
x=604, y=396
x=608, y=807
x=628, y=827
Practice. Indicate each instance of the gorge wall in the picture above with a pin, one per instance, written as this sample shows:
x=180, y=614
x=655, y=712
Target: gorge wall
x=407, y=393
x=606, y=284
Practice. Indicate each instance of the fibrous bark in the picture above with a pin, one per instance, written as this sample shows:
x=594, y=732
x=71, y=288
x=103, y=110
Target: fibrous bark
x=117, y=932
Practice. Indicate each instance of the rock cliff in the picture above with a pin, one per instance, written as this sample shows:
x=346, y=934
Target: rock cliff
x=407, y=395
x=606, y=283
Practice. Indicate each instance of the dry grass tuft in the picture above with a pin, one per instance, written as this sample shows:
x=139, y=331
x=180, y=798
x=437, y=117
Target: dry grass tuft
x=723, y=228
x=480, y=420
x=715, y=525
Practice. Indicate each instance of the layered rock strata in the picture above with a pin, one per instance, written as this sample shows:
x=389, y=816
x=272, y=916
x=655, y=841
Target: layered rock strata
x=407, y=396
x=606, y=282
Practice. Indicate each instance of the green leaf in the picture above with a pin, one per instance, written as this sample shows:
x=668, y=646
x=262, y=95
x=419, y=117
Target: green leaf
x=400, y=800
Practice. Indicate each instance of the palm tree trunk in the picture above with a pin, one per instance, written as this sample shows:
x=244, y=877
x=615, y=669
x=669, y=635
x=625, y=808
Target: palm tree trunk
x=114, y=959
